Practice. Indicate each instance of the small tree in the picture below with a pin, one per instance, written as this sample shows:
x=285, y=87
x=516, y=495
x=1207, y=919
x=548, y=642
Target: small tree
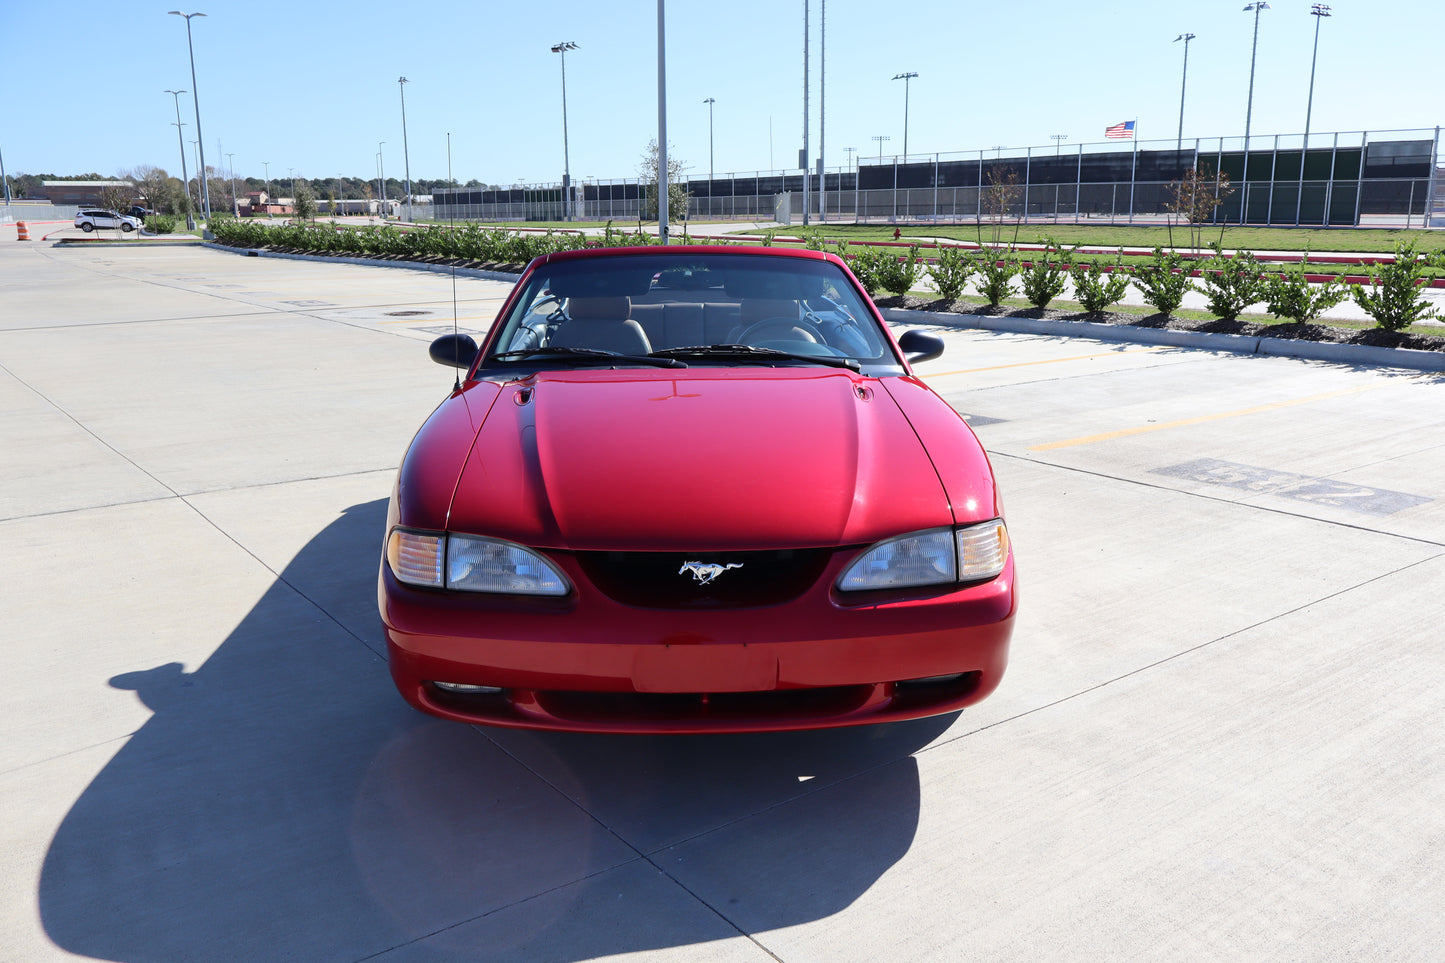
x=116, y=198
x=1196, y=197
x=677, y=195
x=1095, y=288
x=868, y=265
x=1045, y=280
x=996, y=270
x=1394, y=299
x=998, y=199
x=1163, y=281
x=899, y=274
x=1290, y=295
x=304, y=204
x=951, y=272
x=1232, y=283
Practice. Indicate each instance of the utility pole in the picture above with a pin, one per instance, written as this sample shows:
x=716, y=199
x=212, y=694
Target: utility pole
x=1186, y=37
x=1249, y=108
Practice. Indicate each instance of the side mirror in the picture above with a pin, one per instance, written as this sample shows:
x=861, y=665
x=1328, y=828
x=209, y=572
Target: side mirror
x=455, y=350
x=920, y=346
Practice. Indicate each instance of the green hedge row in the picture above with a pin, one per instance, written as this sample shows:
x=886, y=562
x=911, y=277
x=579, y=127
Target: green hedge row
x=468, y=242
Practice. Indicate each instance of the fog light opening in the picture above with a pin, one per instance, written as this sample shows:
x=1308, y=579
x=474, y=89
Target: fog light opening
x=937, y=679
x=466, y=689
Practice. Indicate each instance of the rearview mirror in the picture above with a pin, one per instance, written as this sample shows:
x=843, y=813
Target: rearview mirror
x=920, y=346
x=454, y=350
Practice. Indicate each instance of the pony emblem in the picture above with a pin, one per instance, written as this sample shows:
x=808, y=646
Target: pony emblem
x=705, y=572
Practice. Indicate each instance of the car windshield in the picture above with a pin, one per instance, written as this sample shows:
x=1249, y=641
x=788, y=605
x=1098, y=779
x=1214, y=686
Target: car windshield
x=700, y=309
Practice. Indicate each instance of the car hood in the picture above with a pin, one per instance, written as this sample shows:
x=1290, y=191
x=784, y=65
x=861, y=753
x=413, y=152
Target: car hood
x=704, y=459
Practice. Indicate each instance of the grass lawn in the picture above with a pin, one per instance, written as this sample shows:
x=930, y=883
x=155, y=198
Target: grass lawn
x=1360, y=240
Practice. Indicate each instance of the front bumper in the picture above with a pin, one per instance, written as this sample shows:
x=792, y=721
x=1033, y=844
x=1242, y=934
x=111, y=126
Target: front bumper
x=588, y=663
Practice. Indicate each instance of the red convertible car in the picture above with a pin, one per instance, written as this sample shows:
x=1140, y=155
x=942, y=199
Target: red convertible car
x=694, y=489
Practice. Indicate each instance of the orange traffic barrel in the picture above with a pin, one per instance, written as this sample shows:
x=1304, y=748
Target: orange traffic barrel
x=22, y=233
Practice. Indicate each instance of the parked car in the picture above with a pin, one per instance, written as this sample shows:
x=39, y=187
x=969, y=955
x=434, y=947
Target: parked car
x=140, y=213
x=694, y=489
x=88, y=219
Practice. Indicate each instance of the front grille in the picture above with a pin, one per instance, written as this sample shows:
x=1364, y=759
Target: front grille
x=656, y=580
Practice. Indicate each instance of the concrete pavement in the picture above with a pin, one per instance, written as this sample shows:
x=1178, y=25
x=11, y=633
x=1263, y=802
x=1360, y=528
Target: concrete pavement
x=1218, y=738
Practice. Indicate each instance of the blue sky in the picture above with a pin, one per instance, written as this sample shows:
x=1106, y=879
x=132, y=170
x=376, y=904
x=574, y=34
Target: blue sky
x=312, y=86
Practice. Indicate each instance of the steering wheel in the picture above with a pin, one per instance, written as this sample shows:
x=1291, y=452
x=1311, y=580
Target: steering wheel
x=782, y=329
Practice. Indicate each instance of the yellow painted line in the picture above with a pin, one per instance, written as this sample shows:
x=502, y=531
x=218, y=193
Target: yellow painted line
x=1026, y=364
x=1201, y=419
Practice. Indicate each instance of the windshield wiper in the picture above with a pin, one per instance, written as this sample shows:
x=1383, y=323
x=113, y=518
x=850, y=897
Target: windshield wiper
x=749, y=352
x=585, y=356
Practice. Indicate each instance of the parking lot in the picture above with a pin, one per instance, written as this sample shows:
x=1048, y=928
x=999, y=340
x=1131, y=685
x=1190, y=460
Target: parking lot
x=1219, y=737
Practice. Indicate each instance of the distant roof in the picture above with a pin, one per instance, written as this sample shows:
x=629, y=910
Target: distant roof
x=86, y=184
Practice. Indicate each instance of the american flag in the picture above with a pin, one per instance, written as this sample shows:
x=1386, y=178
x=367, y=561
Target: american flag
x=1125, y=129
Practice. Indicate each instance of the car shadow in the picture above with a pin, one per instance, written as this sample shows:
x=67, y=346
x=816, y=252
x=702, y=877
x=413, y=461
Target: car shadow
x=282, y=801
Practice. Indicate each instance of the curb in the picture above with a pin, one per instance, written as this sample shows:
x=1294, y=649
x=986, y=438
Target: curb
x=368, y=262
x=1353, y=354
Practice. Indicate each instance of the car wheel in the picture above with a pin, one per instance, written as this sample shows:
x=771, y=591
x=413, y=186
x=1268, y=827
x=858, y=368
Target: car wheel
x=87, y=227
x=126, y=227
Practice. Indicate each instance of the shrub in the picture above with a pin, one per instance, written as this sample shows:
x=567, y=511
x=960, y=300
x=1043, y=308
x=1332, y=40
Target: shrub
x=1043, y=281
x=868, y=264
x=1163, y=282
x=161, y=223
x=1232, y=283
x=1394, y=298
x=1289, y=295
x=951, y=272
x=1095, y=288
x=996, y=270
x=899, y=274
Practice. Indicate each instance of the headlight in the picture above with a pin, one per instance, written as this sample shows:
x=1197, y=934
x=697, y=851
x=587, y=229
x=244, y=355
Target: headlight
x=467, y=563
x=938, y=557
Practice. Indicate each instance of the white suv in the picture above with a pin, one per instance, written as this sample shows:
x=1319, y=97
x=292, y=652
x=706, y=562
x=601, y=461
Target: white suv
x=88, y=219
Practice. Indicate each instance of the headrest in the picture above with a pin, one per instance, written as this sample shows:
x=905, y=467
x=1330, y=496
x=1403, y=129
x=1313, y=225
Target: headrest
x=599, y=309
x=752, y=310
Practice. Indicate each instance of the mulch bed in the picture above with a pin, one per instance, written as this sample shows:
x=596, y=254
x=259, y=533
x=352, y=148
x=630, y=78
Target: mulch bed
x=1303, y=332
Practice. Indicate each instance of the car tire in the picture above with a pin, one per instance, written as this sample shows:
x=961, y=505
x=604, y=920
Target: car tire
x=126, y=227
x=87, y=227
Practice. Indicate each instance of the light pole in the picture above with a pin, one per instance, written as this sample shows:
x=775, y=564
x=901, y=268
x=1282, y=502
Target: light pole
x=197, y=145
x=880, y=138
x=907, y=79
x=196, y=99
x=235, y=201
x=185, y=178
x=710, y=101
x=401, y=82
x=1319, y=11
x=1186, y=37
x=337, y=208
x=562, y=48
x=291, y=175
x=267, y=165
x=663, y=214
x=376, y=159
x=1058, y=139
x=381, y=173
x=1249, y=108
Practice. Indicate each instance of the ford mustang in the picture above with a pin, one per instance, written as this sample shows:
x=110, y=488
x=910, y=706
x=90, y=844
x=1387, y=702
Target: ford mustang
x=693, y=489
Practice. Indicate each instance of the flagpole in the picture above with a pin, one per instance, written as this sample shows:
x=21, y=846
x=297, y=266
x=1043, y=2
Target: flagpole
x=1133, y=167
